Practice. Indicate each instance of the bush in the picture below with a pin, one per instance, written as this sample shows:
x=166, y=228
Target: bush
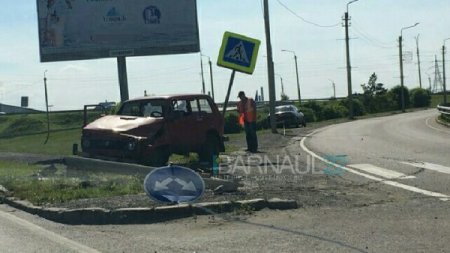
x=396, y=96
x=309, y=114
x=316, y=108
x=420, y=98
x=358, y=107
x=334, y=111
x=231, y=125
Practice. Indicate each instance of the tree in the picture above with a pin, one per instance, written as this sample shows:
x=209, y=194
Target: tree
x=420, y=97
x=284, y=97
x=397, y=96
x=372, y=88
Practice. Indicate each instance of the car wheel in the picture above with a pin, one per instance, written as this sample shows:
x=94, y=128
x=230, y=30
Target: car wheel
x=304, y=123
x=210, y=148
x=158, y=158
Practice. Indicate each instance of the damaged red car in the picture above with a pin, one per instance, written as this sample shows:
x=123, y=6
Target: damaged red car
x=149, y=129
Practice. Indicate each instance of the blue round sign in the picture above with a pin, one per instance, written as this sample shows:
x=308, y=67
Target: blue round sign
x=174, y=184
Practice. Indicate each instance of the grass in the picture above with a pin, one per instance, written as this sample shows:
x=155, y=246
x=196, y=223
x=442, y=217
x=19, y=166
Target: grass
x=58, y=186
x=59, y=143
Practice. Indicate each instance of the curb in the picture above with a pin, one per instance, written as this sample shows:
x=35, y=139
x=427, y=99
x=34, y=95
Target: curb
x=99, y=216
x=442, y=122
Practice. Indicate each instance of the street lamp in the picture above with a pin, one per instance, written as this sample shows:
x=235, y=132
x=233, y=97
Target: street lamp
x=211, y=75
x=334, y=88
x=282, y=86
x=443, y=66
x=349, y=68
x=296, y=71
x=400, y=41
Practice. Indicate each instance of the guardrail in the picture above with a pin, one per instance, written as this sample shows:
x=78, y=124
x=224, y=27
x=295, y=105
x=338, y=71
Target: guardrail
x=444, y=109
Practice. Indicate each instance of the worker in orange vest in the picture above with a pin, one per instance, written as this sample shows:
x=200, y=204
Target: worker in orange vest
x=247, y=111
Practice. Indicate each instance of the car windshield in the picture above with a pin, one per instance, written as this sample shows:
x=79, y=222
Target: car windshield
x=284, y=109
x=145, y=108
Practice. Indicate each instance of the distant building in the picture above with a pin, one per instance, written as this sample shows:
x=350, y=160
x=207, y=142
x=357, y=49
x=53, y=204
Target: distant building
x=9, y=109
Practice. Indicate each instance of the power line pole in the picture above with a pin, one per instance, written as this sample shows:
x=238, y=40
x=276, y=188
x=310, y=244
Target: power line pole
x=443, y=73
x=212, y=79
x=349, y=68
x=400, y=42
x=418, y=61
x=271, y=71
x=46, y=107
x=402, y=93
x=203, y=77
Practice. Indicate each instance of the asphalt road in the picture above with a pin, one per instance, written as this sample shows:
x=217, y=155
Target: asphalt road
x=408, y=221
x=412, y=144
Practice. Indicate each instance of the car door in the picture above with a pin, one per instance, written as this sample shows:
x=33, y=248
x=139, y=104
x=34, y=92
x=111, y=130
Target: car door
x=181, y=126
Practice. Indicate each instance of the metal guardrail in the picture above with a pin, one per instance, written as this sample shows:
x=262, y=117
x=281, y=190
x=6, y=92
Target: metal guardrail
x=444, y=109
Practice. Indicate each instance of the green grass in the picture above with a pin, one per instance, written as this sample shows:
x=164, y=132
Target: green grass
x=24, y=182
x=436, y=100
x=59, y=143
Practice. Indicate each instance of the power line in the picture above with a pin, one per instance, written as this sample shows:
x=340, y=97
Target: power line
x=305, y=20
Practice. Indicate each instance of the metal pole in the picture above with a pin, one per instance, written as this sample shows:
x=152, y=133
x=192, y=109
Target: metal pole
x=271, y=71
x=418, y=61
x=349, y=69
x=443, y=73
x=212, y=79
x=203, y=78
x=298, y=81
x=228, y=93
x=123, y=79
x=46, y=106
x=402, y=93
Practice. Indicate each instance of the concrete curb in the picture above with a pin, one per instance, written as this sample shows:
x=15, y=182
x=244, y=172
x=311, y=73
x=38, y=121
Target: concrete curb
x=99, y=216
x=442, y=122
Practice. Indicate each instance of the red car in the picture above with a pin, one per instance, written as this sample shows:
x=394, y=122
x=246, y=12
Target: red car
x=149, y=129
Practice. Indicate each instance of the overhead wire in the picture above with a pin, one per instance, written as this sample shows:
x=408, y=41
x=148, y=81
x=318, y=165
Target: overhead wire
x=305, y=20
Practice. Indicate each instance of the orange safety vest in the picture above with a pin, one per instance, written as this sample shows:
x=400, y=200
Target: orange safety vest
x=248, y=110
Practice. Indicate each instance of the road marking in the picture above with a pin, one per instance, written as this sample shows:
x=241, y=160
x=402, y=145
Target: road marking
x=441, y=196
x=427, y=122
x=372, y=169
x=429, y=166
x=72, y=245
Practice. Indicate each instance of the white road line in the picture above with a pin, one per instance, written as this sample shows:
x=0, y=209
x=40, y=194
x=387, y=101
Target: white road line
x=72, y=245
x=429, y=166
x=372, y=169
x=427, y=122
x=441, y=196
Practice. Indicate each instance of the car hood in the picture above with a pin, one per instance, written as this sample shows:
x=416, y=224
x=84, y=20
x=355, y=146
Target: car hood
x=118, y=123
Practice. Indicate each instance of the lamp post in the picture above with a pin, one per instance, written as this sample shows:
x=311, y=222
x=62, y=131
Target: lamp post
x=349, y=68
x=334, y=88
x=443, y=72
x=296, y=71
x=400, y=41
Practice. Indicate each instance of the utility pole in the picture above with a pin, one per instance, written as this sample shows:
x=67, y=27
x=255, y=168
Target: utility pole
x=271, y=71
x=296, y=72
x=400, y=41
x=402, y=94
x=418, y=61
x=212, y=79
x=46, y=107
x=443, y=72
x=203, y=77
x=349, y=68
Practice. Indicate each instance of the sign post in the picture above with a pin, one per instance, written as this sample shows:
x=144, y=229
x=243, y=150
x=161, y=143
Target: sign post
x=238, y=53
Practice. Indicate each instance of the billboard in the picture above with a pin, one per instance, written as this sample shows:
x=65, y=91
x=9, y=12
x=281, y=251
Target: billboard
x=90, y=29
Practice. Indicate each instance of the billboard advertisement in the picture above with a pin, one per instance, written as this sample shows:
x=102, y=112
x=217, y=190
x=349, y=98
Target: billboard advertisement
x=90, y=29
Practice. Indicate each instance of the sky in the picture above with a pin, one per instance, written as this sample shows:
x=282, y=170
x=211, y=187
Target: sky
x=375, y=28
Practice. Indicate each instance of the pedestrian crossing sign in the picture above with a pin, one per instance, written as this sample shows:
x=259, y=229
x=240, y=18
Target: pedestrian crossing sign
x=238, y=52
